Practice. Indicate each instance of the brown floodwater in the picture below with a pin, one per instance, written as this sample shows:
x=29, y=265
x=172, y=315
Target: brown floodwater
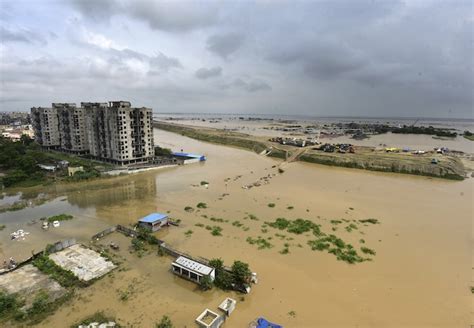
x=420, y=276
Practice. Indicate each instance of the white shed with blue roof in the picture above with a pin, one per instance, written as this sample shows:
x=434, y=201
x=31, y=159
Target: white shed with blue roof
x=153, y=221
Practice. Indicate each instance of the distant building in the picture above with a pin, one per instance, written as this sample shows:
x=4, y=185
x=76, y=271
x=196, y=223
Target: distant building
x=45, y=123
x=113, y=131
x=72, y=170
x=153, y=222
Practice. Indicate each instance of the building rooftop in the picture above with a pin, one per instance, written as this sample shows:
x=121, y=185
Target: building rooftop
x=188, y=155
x=153, y=217
x=193, y=265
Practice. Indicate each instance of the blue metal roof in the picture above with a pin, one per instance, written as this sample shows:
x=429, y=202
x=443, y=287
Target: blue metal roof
x=189, y=155
x=153, y=217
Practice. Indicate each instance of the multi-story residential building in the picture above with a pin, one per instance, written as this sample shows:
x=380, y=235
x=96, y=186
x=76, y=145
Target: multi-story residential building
x=72, y=127
x=113, y=132
x=45, y=123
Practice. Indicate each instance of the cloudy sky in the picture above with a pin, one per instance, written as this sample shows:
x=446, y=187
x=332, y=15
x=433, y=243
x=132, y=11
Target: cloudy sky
x=319, y=58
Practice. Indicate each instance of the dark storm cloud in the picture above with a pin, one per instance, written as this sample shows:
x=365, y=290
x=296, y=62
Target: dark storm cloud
x=205, y=73
x=224, y=45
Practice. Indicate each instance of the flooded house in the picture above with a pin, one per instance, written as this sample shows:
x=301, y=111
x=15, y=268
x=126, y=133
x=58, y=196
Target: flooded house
x=153, y=221
x=192, y=270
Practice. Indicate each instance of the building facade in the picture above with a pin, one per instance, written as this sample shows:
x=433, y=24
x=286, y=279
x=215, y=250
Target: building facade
x=45, y=123
x=72, y=127
x=114, y=131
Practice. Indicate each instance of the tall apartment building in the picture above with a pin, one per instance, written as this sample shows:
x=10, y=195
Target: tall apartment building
x=112, y=131
x=45, y=123
x=72, y=127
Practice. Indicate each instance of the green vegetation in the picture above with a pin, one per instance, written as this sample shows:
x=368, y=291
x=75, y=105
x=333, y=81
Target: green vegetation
x=2, y=227
x=10, y=306
x=336, y=246
x=206, y=283
x=201, y=205
x=213, y=219
x=241, y=272
x=351, y=227
x=336, y=221
x=199, y=225
x=253, y=217
x=271, y=205
x=424, y=130
x=468, y=135
x=373, y=221
x=224, y=279
x=362, y=241
x=239, y=275
x=99, y=317
x=60, y=217
x=216, y=231
x=188, y=233
x=237, y=224
x=292, y=314
x=64, y=277
x=367, y=250
x=204, y=183
x=285, y=251
x=20, y=162
x=164, y=323
x=297, y=226
x=138, y=245
x=261, y=242
x=290, y=207
x=189, y=209
x=159, y=151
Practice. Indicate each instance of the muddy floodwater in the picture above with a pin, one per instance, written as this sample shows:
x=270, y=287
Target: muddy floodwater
x=420, y=276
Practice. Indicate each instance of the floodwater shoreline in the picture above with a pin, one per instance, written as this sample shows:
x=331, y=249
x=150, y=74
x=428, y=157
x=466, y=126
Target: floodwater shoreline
x=447, y=167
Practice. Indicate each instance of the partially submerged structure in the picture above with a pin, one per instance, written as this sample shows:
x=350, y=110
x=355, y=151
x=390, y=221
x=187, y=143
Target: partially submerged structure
x=192, y=270
x=228, y=306
x=153, y=221
x=210, y=319
x=83, y=262
x=189, y=158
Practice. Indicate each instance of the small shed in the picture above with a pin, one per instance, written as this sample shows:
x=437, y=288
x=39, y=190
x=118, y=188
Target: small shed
x=188, y=158
x=192, y=270
x=153, y=221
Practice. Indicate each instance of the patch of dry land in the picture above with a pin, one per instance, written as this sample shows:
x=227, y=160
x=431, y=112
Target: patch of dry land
x=367, y=158
x=332, y=246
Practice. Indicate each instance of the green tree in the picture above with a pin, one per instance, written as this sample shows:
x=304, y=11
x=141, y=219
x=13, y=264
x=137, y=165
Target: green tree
x=241, y=272
x=206, y=283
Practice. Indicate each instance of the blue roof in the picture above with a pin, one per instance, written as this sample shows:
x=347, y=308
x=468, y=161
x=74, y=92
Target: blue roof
x=153, y=217
x=189, y=155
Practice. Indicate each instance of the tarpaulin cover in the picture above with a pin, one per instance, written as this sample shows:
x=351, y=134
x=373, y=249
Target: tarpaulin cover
x=263, y=323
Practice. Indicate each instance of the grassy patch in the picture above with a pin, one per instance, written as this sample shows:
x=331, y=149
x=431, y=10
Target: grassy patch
x=2, y=227
x=262, y=243
x=201, y=205
x=367, y=250
x=216, y=231
x=188, y=233
x=372, y=221
x=351, y=227
x=271, y=205
x=199, y=225
x=64, y=277
x=237, y=224
x=189, y=209
x=60, y=217
x=337, y=247
x=253, y=217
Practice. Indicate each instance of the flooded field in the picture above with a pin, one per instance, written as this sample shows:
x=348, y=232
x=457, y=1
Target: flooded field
x=420, y=276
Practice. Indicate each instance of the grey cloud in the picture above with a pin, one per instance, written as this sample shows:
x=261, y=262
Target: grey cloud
x=224, y=45
x=205, y=73
x=249, y=86
x=172, y=16
x=97, y=10
x=20, y=35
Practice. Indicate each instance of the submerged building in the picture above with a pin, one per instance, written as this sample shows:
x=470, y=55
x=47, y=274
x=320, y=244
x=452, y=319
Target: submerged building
x=114, y=131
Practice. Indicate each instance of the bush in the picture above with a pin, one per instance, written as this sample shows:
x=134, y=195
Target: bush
x=201, y=205
x=164, y=323
x=9, y=305
x=373, y=221
x=367, y=250
x=216, y=231
x=60, y=217
x=271, y=205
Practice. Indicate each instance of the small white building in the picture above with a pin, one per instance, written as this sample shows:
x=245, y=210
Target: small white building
x=192, y=270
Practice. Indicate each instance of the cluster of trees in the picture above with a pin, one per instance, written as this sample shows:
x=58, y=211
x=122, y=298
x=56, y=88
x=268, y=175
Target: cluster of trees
x=425, y=130
x=18, y=160
x=237, y=278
